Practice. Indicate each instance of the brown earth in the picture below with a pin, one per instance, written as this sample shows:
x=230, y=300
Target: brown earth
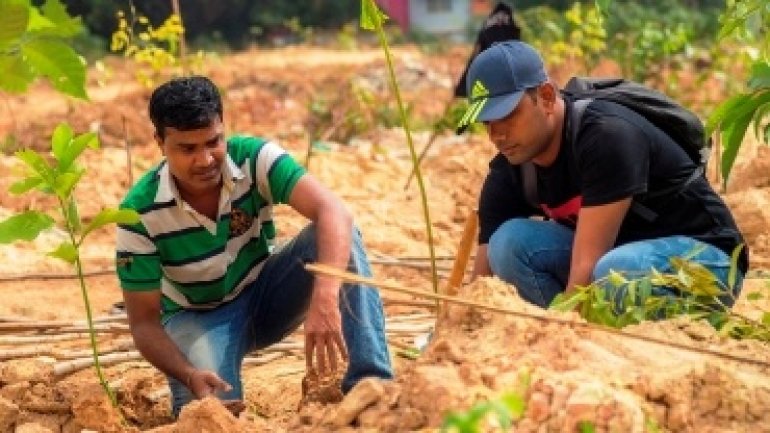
x=576, y=374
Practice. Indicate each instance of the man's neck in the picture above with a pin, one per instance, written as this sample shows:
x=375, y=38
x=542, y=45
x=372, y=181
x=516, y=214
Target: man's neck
x=548, y=156
x=205, y=202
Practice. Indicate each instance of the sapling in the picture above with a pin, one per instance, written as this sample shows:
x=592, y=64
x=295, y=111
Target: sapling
x=372, y=19
x=58, y=176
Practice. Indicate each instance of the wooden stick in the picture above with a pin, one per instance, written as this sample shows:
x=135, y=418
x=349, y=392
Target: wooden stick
x=408, y=302
x=55, y=276
x=394, y=262
x=119, y=346
x=66, y=367
x=54, y=324
x=37, y=339
x=129, y=163
x=463, y=253
x=263, y=359
x=353, y=278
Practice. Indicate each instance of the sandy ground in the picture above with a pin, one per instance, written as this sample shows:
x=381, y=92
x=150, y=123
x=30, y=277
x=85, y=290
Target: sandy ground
x=617, y=383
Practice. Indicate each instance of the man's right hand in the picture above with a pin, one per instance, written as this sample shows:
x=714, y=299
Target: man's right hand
x=203, y=383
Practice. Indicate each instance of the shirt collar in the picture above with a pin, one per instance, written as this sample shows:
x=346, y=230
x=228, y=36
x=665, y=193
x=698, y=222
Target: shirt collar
x=167, y=190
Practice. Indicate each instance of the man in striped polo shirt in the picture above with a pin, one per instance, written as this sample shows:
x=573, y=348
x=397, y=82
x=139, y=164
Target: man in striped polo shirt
x=201, y=282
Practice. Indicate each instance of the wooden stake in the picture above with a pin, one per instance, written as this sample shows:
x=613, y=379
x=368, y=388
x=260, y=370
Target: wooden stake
x=463, y=253
x=353, y=278
x=67, y=367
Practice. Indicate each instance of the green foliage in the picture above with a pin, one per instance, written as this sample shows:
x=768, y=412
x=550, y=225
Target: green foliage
x=34, y=43
x=501, y=412
x=58, y=176
x=577, y=35
x=618, y=301
x=747, y=22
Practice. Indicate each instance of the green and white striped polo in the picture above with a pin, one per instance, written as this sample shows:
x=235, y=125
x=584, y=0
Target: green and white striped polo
x=195, y=262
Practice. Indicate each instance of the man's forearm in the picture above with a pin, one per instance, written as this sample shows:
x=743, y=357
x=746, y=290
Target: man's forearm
x=334, y=236
x=160, y=351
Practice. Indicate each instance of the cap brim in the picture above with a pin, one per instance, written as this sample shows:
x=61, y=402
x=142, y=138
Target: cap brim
x=489, y=109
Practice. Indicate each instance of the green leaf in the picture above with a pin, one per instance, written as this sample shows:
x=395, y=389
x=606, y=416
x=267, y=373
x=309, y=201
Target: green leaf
x=66, y=251
x=25, y=185
x=65, y=25
x=515, y=404
x=563, y=302
x=760, y=76
x=109, y=216
x=60, y=63
x=76, y=147
x=616, y=279
x=25, y=226
x=586, y=427
x=66, y=182
x=372, y=17
x=13, y=22
x=60, y=140
x=16, y=75
x=73, y=216
x=765, y=318
x=36, y=162
x=732, y=274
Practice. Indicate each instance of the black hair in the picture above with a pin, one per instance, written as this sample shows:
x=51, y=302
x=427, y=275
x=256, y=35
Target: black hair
x=185, y=103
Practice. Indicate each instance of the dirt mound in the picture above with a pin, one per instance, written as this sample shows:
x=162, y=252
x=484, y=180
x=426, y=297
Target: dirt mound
x=565, y=377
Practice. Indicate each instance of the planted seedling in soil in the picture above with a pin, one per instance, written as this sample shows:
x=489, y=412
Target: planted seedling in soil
x=58, y=176
x=372, y=19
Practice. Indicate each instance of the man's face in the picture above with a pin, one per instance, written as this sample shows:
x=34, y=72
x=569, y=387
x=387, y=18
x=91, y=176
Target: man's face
x=524, y=133
x=195, y=157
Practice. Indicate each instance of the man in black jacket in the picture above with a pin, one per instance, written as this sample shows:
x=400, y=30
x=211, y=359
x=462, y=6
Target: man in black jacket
x=586, y=189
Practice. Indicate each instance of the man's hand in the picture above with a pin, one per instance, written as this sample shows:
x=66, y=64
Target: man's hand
x=203, y=383
x=323, y=331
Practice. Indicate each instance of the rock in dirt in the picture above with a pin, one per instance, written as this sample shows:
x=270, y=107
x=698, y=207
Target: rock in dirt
x=209, y=416
x=25, y=370
x=92, y=410
x=8, y=414
x=367, y=392
x=33, y=427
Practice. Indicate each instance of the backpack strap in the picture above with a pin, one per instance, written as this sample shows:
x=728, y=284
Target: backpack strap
x=529, y=183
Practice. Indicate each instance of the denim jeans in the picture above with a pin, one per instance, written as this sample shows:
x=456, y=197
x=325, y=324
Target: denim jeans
x=270, y=309
x=535, y=257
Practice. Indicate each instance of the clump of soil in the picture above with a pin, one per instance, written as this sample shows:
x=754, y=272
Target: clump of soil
x=565, y=374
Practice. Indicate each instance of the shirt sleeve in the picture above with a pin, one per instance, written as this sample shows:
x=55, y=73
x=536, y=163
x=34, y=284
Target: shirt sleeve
x=277, y=173
x=137, y=259
x=613, y=156
x=502, y=198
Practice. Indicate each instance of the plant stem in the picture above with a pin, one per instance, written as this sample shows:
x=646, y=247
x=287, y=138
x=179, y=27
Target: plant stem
x=415, y=163
x=87, y=302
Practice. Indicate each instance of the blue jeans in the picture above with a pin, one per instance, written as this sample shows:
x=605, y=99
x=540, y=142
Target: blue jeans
x=535, y=257
x=271, y=308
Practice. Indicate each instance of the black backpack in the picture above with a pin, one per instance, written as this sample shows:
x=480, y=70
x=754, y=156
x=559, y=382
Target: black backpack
x=677, y=122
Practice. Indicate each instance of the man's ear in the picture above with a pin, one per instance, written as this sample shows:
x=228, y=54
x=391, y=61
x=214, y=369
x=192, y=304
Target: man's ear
x=159, y=140
x=548, y=93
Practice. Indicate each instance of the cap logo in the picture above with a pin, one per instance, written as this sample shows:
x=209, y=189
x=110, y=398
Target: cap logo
x=479, y=95
x=478, y=90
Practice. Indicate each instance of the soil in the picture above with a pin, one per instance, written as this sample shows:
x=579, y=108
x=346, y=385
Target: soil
x=573, y=373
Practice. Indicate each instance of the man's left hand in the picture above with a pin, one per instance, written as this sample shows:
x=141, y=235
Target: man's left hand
x=323, y=332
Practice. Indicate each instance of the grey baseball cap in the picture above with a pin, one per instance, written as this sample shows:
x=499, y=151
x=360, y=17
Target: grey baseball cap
x=497, y=79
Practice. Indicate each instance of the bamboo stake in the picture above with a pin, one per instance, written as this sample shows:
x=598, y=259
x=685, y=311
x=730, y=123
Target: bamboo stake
x=393, y=262
x=463, y=253
x=67, y=367
x=263, y=359
x=129, y=162
x=120, y=346
x=37, y=339
x=26, y=352
x=353, y=278
x=409, y=303
x=54, y=324
x=55, y=276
